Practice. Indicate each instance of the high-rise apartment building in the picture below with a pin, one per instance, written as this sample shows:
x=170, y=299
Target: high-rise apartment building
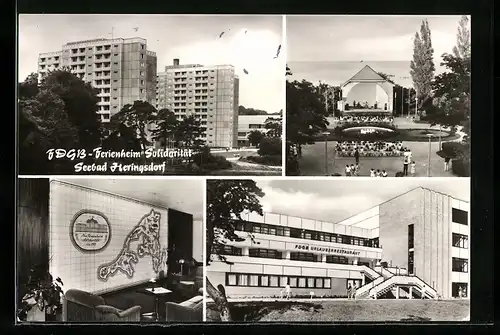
x=208, y=92
x=123, y=70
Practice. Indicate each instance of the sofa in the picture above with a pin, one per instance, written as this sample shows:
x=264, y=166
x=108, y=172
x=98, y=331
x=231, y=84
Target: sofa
x=188, y=311
x=189, y=285
x=81, y=306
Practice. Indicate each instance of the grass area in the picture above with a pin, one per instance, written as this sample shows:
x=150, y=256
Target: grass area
x=312, y=162
x=388, y=310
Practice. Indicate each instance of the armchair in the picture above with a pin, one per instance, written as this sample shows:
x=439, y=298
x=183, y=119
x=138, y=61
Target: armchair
x=188, y=311
x=81, y=306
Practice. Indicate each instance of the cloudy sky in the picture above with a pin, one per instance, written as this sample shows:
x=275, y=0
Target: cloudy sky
x=331, y=48
x=335, y=200
x=192, y=39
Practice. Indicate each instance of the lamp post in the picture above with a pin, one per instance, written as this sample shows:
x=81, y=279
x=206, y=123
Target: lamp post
x=416, y=103
x=429, y=162
x=326, y=133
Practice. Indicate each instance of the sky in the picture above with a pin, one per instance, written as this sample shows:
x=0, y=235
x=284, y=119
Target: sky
x=331, y=48
x=193, y=39
x=334, y=200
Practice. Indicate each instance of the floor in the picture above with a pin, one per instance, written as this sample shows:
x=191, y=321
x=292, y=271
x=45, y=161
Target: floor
x=312, y=162
x=127, y=298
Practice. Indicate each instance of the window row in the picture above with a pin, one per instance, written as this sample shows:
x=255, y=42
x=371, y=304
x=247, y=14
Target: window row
x=262, y=280
x=275, y=254
x=459, y=265
x=459, y=216
x=263, y=228
x=460, y=241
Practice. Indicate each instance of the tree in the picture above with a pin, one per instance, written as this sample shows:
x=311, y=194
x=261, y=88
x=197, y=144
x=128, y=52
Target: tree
x=270, y=146
x=43, y=125
x=166, y=124
x=254, y=137
x=250, y=111
x=422, y=66
x=274, y=127
x=452, y=88
x=226, y=201
x=132, y=121
x=29, y=88
x=189, y=132
x=80, y=103
x=452, y=92
x=462, y=49
x=306, y=115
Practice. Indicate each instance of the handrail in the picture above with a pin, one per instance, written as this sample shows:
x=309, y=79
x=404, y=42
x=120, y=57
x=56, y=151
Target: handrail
x=363, y=289
x=392, y=280
x=372, y=273
x=386, y=273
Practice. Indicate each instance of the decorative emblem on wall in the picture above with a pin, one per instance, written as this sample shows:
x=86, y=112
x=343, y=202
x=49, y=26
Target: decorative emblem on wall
x=90, y=231
x=147, y=233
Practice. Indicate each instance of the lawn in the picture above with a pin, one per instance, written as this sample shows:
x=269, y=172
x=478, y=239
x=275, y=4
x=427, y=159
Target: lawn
x=312, y=162
x=388, y=310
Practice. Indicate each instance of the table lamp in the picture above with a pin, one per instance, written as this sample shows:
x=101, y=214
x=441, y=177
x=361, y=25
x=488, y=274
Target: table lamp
x=181, y=262
x=152, y=280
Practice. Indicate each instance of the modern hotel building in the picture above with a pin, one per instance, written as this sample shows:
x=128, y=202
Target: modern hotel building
x=208, y=92
x=122, y=70
x=248, y=123
x=414, y=244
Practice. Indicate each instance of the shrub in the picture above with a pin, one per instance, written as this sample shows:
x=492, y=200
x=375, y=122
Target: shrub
x=461, y=167
x=399, y=174
x=206, y=161
x=292, y=167
x=454, y=149
x=270, y=146
x=273, y=160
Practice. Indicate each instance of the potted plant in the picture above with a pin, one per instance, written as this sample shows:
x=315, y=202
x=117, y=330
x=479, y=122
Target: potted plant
x=42, y=299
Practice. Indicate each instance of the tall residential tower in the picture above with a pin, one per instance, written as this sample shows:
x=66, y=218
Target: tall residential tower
x=208, y=92
x=122, y=70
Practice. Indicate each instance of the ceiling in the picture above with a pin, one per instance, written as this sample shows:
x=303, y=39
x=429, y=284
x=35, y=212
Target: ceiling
x=185, y=195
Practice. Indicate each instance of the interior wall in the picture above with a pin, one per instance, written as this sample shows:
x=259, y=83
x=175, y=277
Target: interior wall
x=130, y=224
x=198, y=240
x=32, y=230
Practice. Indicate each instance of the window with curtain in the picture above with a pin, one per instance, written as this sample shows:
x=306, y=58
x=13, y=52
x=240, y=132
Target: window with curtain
x=327, y=283
x=283, y=281
x=302, y=282
x=319, y=282
x=242, y=280
x=231, y=280
x=273, y=281
x=254, y=280
x=293, y=281
x=310, y=282
x=264, y=281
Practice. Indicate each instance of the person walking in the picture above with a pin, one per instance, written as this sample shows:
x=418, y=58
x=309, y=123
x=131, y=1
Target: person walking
x=349, y=290
x=406, y=161
x=354, y=289
x=413, y=169
x=347, y=170
x=447, y=163
x=356, y=156
x=288, y=291
x=423, y=292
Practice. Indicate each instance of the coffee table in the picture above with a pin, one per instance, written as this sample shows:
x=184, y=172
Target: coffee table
x=157, y=293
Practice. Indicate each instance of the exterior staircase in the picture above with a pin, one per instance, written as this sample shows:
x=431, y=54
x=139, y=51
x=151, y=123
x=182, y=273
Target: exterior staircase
x=383, y=285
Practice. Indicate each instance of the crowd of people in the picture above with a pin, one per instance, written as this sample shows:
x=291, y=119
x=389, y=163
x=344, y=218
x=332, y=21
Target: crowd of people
x=365, y=119
x=370, y=149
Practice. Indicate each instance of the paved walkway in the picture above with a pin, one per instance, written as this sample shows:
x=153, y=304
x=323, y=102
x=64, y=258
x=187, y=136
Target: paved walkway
x=312, y=162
